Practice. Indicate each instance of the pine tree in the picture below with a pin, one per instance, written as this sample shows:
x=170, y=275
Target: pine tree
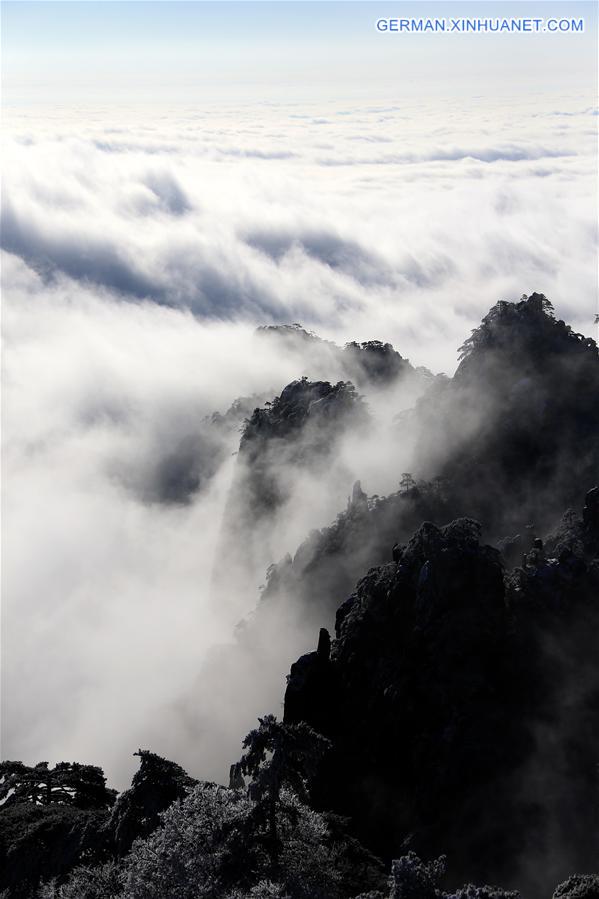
x=279, y=755
x=67, y=783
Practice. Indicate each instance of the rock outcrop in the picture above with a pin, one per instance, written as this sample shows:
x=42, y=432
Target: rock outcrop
x=461, y=703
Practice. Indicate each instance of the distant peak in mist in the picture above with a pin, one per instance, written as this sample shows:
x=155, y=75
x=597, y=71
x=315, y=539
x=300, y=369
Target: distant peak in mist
x=526, y=332
x=300, y=404
x=369, y=363
x=293, y=332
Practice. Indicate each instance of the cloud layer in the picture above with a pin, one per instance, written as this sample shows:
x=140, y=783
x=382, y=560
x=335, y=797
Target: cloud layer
x=406, y=222
x=141, y=249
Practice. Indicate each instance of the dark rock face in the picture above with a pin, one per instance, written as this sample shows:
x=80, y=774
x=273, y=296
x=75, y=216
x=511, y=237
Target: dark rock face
x=328, y=563
x=590, y=521
x=462, y=706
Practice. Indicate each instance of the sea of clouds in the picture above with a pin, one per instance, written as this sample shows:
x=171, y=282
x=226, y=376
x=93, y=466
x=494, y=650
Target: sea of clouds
x=141, y=248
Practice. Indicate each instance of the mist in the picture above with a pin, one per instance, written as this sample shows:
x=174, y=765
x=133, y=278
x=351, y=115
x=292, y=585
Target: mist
x=140, y=254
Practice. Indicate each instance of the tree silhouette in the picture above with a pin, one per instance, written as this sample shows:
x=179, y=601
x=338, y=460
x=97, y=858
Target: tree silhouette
x=407, y=481
x=279, y=755
x=155, y=786
x=67, y=783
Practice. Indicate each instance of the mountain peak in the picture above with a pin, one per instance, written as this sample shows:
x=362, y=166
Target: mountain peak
x=523, y=332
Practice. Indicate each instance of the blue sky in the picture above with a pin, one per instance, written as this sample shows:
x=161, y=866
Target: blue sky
x=142, y=50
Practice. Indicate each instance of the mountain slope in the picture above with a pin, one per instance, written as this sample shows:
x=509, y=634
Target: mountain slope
x=462, y=704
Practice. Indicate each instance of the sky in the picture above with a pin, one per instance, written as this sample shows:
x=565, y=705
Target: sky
x=174, y=175
x=134, y=51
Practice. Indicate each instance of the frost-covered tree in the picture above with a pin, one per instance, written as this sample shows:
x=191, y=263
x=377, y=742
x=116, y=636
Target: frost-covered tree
x=412, y=878
x=191, y=855
x=279, y=755
x=266, y=889
x=579, y=886
x=210, y=846
x=485, y=892
x=157, y=784
x=100, y=882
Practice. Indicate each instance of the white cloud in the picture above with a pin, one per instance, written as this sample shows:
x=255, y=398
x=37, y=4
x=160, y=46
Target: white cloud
x=141, y=254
